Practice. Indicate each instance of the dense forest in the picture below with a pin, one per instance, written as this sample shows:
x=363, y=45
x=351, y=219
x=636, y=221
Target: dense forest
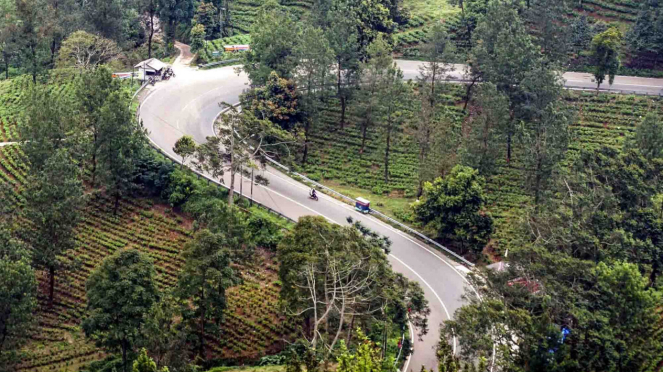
x=114, y=258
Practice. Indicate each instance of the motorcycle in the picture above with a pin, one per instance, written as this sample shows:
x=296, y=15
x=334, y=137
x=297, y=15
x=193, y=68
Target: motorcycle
x=313, y=195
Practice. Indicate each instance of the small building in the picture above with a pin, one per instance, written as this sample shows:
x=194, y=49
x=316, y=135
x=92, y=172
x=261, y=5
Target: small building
x=236, y=48
x=151, y=67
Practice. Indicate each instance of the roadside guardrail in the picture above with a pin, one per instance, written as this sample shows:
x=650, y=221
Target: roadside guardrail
x=199, y=174
x=219, y=63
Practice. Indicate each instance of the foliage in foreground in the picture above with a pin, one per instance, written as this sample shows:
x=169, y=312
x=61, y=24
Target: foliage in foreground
x=582, y=292
x=343, y=283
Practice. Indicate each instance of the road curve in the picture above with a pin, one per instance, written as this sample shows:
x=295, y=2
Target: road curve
x=188, y=104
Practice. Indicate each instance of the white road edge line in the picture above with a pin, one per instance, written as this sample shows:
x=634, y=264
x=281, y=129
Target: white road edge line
x=377, y=221
x=409, y=357
x=432, y=290
x=381, y=223
x=616, y=84
x=301, y=186
x=396, y=258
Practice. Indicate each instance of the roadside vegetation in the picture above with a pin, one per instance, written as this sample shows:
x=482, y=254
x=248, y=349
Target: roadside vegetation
x=113, y=259
x=109, y=250
x=560, y=186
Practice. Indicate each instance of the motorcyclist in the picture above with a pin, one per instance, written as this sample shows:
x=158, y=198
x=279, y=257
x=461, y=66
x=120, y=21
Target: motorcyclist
x=313, y=194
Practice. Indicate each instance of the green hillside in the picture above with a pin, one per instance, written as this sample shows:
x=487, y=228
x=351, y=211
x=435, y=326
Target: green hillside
x=604, y=119
x=254, y=323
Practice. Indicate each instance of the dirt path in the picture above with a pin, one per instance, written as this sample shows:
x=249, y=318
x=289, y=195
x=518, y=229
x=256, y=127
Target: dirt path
x=185, y=57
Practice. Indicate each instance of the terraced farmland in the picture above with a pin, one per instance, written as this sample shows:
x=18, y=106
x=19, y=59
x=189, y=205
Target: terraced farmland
x=254, y=324
x=336, y=154
x=243, y=12
x=213, y=47
x=610, y=10
x=410, y=36
x=602, y=120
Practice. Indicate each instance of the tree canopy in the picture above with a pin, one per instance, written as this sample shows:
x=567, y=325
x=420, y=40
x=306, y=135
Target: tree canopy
x=120, y=293
x=453, y=208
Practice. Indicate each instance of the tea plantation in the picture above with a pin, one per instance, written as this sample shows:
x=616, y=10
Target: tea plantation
x=411, y=35
x=604, y=119
x=254, y=324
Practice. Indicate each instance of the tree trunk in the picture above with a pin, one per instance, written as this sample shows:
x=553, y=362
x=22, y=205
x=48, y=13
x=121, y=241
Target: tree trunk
x=54, y=41
x=33, y=53
x=432, y=87
x=251, y=201
x=53, y=45
x=338, y=92
x=468, y=94
x=231, y=191
x=51, y=286
x=422, y=159
x=149, y=39
x=420, y=187
x=117, y=200
x=341, y=315
x=508, y=148
x=306, y=129
x=5, y=56
x=654, y=274
x=352, y=325
x=201, y=336
x=537, y=184
x=388, y=147
x=124, y=355
x=94, y=156
x=364, y=129
x=343, y=109
x=386, y=150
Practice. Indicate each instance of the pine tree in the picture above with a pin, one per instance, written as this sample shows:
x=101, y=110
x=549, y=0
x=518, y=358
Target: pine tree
x=54, y=198
x=203, y=281
x=120, y=293
x=144, y=363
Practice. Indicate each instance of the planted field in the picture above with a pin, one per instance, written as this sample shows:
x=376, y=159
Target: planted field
x=604, y=119
x=336, y=153
x=214, y=50
x=11, y=92
x=243, y=12
x=610, y=10
x=424, y=13
x=254, y=324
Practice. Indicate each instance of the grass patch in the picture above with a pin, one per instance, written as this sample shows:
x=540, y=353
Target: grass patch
x=391, y=205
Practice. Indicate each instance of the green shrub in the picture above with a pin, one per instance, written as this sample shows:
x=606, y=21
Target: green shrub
x=182, y=186
x=377, y=190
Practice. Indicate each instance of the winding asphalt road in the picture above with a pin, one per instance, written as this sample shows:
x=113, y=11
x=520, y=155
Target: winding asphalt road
x=188, y=104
